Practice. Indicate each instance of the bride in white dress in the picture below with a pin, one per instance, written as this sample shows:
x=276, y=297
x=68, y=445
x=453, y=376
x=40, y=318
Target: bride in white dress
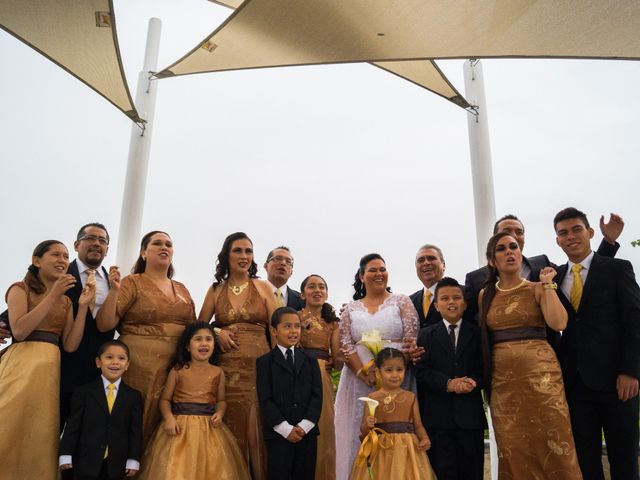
x=373, y=308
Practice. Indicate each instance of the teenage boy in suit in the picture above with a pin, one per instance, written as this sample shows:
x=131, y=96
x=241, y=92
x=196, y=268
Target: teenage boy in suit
x=599, y=350
x=451, y=373
x=290, y=395
x=102, y=439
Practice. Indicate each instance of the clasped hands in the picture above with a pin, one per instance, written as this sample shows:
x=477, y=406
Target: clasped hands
x=297, y=434
x=461, y=385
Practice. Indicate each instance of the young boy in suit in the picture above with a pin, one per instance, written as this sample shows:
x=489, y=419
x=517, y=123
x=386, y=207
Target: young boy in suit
x=290, y=395
x=450, y=371
x=103, y=434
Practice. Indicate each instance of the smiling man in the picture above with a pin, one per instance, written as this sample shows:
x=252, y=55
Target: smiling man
x=430, y=270
x=279, y=267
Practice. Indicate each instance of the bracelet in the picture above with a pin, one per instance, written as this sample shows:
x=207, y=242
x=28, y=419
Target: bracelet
x=550, y=286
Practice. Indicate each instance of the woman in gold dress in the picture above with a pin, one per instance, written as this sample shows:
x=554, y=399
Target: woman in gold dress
x=151, y=311
x=321, y=339
x=39, y=314
x=528, y=405
x=242, y=306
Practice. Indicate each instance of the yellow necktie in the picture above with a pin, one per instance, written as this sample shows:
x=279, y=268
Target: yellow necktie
x=426, y=302
x=91, y=280
x=576, y=289
x=279, y=298
x=111, y=399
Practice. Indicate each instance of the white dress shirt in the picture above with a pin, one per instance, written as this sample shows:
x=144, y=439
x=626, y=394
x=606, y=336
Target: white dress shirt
x=567, y=281
x=285, y=428
x=456, y=332
x=102, y=283
x=283, y=291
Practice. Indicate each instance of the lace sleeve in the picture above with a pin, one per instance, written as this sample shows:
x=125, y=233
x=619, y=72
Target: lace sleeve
x=346, y=342
x=409, y=318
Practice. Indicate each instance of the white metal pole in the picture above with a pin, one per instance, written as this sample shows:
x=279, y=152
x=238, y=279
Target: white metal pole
x=480, y=150
x=483, y=194
x=139, y=147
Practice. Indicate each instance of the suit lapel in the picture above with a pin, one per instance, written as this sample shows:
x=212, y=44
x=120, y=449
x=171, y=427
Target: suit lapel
x=562, y=272
x=278, y=358
x=101, y=395
x=419, y=306
x=463, y=338
x=443, y=337
x=590, y=281
x=298, y=360
x=76, y=291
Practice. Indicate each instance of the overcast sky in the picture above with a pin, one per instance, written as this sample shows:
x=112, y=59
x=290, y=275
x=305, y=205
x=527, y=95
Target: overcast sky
x=334, y=161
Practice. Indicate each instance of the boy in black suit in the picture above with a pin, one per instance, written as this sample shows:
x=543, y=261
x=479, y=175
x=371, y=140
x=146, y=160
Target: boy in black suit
x=450, y=371
x=103, y=435
x=290, y=394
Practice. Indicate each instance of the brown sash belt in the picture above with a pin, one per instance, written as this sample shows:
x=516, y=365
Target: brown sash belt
x=317, y=353
x=192, y=408
x=520, y=333
x=40, y=336
x=397, y=427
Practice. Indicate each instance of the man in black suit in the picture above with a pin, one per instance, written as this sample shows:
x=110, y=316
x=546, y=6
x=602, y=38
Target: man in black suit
x=599, y=350
x=279, y=267
x=450, y=373
x=79, y=367
x=430, y=270
x=290, y=394
x=103, y=436
x=531, y=266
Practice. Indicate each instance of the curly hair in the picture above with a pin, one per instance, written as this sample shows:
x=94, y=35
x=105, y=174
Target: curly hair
x=327, y=313
x=182, y=356
x=222, y=264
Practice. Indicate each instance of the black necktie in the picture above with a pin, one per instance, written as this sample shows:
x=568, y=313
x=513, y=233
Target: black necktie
x=290, y=357
x=452, y=336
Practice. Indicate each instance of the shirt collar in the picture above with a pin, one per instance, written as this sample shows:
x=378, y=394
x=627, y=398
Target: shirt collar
x=106, y=382
x=284, y=350
x=458, y=325
x=586, y=263
x=83, y=267
x=432, y=289
x=283, y=289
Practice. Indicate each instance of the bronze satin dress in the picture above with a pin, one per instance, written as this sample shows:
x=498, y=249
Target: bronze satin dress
x=249, y=324
x=317, y=338
x=200, y=451
x=528, y=405
x=151, y=324
x=398, y=456
x=30, y=398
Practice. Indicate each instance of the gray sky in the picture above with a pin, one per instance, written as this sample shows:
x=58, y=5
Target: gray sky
x=334, y=161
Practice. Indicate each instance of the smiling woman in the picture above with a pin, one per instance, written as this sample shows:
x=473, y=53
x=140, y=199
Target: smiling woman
x=151, y=311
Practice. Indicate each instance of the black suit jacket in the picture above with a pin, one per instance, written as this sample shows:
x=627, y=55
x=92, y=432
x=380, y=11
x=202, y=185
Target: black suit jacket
x=79, y=367
x=293, y=300
x=439, y=408
x=90, y=429
x=433, y=316
x=288, y=394
x=602, y=339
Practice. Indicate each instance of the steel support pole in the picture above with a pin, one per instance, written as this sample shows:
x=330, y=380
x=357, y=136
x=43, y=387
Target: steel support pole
x=139, y=148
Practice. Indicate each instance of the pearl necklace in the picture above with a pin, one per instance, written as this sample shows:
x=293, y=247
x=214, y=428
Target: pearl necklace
x=524, y=280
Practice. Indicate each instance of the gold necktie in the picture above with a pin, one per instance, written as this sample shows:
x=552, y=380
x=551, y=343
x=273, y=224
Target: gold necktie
x=426, y=302
x=111, y=399
x=279, y=298
x=576, y=289
x=91, y=280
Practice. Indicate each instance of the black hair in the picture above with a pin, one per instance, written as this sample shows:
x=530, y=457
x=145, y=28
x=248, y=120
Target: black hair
x=276, y=318
x=570, y=213
x=141, y=263
x=32, y=277
x=388, y=353
x=508, y=216
x=281, y=247
x=358, y=286
x=182, y=356
x=222, y=264
x=92, y=224
x=327, y=312
x=447, y=282
x=113, y=343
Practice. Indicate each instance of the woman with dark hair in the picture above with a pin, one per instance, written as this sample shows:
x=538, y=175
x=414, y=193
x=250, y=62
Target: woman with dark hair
x=242, y=306
x=380, y=316
x=151, y=311
x=41, y=315
x=321, y=339
x=528, y=406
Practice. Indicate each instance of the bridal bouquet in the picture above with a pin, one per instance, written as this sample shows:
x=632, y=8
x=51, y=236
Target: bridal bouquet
x=374, y=343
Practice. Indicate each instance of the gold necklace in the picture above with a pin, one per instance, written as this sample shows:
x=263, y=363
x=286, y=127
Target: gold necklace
x=524, y=280
x=238, y=289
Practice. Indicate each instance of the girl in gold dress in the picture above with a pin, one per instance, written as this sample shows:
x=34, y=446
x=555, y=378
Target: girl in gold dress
x=192, y=442
x=242, y=306
x=528, y=406
x=39, y=314
x=402, y=440
x=151, y=311
x=321, y=339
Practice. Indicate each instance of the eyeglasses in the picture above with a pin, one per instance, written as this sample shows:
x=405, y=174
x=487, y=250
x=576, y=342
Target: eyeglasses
x=502, y=248
x=92, y=238
x=280, y=259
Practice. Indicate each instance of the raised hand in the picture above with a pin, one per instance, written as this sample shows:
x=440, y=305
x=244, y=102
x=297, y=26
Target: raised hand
x=547, y=274
x=114, y=277
x=88, y=294
x=62, y=284
x=613, y=228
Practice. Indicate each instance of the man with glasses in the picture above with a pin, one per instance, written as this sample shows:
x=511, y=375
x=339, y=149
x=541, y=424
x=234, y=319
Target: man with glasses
x=79, y=367
x=279, y=267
